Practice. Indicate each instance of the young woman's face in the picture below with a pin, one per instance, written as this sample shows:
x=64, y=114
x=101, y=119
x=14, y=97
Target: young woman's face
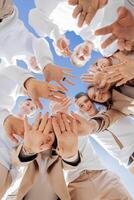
x=86, y=106
x=98, y=95
x=49, y=140
x=27, y=107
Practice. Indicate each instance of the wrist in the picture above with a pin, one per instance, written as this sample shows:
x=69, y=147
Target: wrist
x=28, y=82
x=71, y=156
x=47, y=67
x=27, y=151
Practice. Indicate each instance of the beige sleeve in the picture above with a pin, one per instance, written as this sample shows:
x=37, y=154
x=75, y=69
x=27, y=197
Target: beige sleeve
x=107, y=118
x=15, y=157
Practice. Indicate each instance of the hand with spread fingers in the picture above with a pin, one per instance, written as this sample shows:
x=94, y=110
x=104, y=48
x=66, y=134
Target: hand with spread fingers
x=63, y=47
x=38, y=137
x=123, y=72
x=82, y=124
x=14, y=126
x=61, y=106
x=39, y=89
x=67, y=136
x=122, y=30
x=59, y=75
x=98, y=79
x=85, y=10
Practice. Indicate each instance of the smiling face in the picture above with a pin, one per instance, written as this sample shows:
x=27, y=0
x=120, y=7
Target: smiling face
x=27, y=107
x=86, y=106
x=98, y=95
x=82, y=54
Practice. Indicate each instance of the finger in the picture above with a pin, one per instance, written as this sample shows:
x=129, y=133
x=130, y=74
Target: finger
x=81, y=19
x=69, y=82
x=53, y=98
x=69, y=75
x=124, y=16
x=57, y=94
x=66, y=102
x=74, y=127
x=13, y=138
x=56, y=127
x=108, y=41
x=48, y=127
x=69, y=117
x=121, y=56
x=76, y=117
x=66, y=122
x=104, y=31
x=61, y=123
x=37, y=122
x=121, y=44
x=26, y=125
x=89, y=16
x=122, y=82
x=72, y=2
x=77, y=11
x=38, y=103
x=59, y=82
x=67, y=69
x=116, y=78
x=43, y=122
x=128, y=45
x=55, y=88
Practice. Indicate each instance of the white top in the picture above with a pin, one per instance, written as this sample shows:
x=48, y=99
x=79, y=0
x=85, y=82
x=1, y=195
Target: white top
x=52, y=19
x=89, y=161
x=123, y=129
x=55, y=18
x=106, y=16
x=16, y=40
x=12, y=79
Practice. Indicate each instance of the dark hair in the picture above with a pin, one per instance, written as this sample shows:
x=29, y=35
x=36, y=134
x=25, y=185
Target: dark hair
x=81, y=94
x=28, y=99
x=108, y=103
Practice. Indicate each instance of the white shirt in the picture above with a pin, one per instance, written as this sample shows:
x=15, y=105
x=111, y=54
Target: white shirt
x=52, y=19
x=16, y=40
x=89, y=161
x=55, y=19
x=12, y=79
x=124, y=131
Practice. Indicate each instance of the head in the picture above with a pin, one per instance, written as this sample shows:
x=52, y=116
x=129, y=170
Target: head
x=81, y=54
x=27, y=107
x=62, y=47
x=49, y=140
x=32, y=64
x=98, y=95
x=85, y=104
x=103, y=62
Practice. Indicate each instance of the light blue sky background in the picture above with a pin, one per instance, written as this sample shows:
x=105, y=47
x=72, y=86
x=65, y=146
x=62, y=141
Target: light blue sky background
x=24, y=7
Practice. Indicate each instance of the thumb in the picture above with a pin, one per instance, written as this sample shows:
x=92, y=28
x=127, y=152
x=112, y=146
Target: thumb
x=124, y=16
x=38, y=103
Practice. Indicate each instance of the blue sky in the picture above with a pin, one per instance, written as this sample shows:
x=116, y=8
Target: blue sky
x=24, y=7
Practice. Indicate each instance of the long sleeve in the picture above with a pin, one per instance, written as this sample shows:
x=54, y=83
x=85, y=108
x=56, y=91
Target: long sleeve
x=42, y=25
x=27, y=44
x=12, y=79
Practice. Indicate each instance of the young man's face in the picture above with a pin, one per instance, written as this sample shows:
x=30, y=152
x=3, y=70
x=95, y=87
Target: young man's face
x=86, y=106
x=27, y=107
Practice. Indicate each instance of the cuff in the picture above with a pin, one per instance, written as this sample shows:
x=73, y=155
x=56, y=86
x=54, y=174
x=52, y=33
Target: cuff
x=73, y=161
